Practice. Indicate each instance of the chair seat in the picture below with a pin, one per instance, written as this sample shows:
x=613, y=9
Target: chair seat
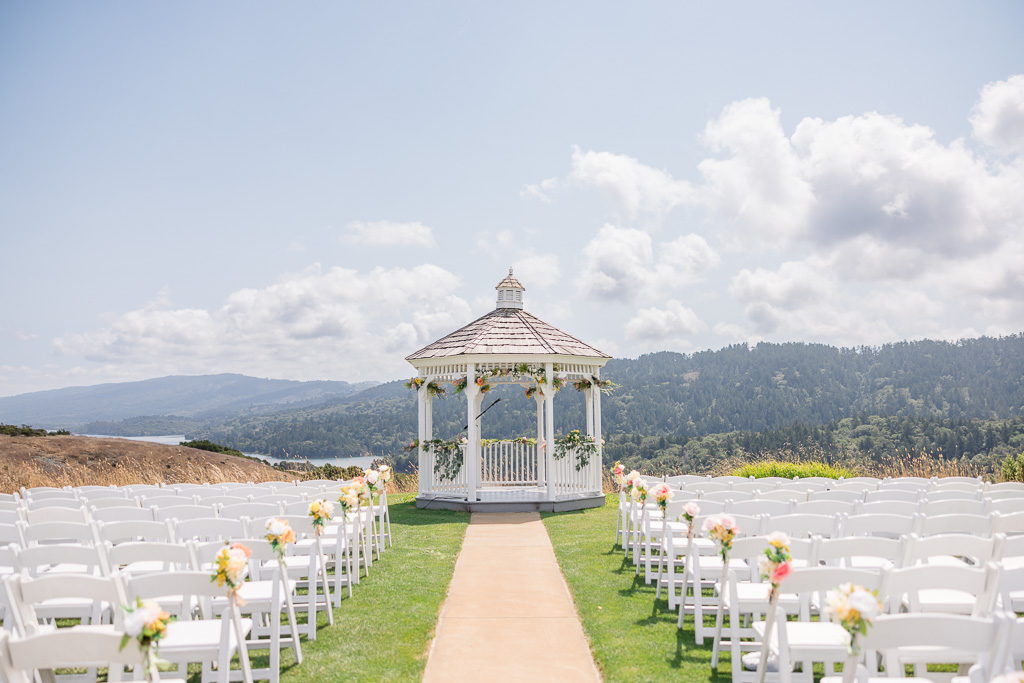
x=193, y=641
x=809, y=640
x=753, y=598
x=258, y=596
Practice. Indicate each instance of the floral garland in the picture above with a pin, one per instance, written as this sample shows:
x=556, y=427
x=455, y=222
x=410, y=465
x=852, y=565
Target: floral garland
x=584, y=445
x=447, y=456
x=433, y=387
x=605, y=385
x=280, y=534
x=322, y=511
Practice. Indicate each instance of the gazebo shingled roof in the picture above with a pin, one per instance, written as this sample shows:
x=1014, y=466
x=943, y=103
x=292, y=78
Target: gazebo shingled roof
x=507, y=331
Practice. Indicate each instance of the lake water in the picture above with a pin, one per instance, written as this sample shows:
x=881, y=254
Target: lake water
x=175, y=439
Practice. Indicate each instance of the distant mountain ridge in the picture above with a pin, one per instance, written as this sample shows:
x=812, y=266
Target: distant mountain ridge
x=200, y=397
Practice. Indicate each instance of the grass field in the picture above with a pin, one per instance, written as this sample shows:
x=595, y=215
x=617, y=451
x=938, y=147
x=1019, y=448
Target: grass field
x=383, y=631
x=633, y=637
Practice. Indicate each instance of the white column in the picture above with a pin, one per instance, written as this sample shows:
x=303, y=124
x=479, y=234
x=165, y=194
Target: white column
x=588, y=397
x=549, y=427
x=599, y=465
x=471, y=459
x=426, y=468
x=541, y=439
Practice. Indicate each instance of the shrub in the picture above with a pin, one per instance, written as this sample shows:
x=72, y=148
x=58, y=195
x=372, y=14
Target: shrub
x=1013, y=468
x=205, y=445
x=791, y=470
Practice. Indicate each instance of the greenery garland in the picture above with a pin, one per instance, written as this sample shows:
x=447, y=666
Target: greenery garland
x=433, y=387
x=447, y=456
x=584, y=445
x=605, y=385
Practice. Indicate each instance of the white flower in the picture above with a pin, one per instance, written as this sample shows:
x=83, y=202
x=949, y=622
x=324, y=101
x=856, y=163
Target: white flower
x=765, y=566
x=865, y=603
x=691, y=509
x=710, y=523
x=276, y=527
x=728, y=522
x=779, y=536
x=372, y=476
x=137, y=619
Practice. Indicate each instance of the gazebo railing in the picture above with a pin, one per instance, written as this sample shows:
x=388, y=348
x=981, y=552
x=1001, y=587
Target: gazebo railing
x=570, y=481
x=509, y=463
x=457, y=487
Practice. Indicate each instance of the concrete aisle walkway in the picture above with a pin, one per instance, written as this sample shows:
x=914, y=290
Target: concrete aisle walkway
x=508, y=616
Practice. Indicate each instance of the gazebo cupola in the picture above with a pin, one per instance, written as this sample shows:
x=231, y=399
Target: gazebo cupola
x=510, y=292
x=509, y=346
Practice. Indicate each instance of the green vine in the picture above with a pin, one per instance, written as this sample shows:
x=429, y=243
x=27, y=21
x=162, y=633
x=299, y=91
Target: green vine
x=605, y=385
x=447, y=456
x=585, y=447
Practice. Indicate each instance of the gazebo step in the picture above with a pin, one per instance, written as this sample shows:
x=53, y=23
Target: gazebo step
x=510, y=504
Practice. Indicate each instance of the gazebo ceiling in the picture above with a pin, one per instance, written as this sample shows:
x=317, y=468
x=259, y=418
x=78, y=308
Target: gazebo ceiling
x=508, y=330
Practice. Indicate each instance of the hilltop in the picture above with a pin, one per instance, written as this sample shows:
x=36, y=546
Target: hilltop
x=80, y=460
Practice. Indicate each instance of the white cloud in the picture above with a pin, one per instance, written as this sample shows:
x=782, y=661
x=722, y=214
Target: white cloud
x=674, y=321
x=624, y=264
x=636, y=187
x=294, y=246
x=338, y=324
x=542, y=190
x=998, y=118
x=389, y=234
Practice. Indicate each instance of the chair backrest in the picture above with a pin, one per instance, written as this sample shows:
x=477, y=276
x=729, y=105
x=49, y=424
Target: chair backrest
x=877, y=524
x=246, y=491
x=1017, y=486
x=727, y=495
x=134, y=530
x=748, y=525
x=104, y=503
x=899, y=638
x=707, y=507
x=972, y=490
x=279, y=499
x=20, y=658
x=980, y=525
x=854, y=486
x=1005, y=506
x=135, y=557
x=187, y=585
x=58, y=532
x=941, y=482
x=45, y=493
x=979, y=549
x=810, y=582
x=208, y=529
x=24, y=593
x=804, y=485
x=903, y=586
x=48, y=503
x=783, y=494
x=936, y=495
x=1010, y=525
x=121, y=514
x=63, y=560
x=825, y=507
x=302, y=507
x=222, y=501
x=854, y=551
x=304, y=489
x=11, y=533
x=749, y=548
x=754, y=486
x=136, y=490
x=848, y=496
x=731, y=479
x=801, y=525
x=165, y=500
x=759, y=507
x=56, y=514
x=102, y=493
x=895, y=493
x=712, y=486
x=10, y=516
x=889, y=507
x=183, y=512
x=683, y=479
x=250, y=510
x=954, y=506
x=910, y=483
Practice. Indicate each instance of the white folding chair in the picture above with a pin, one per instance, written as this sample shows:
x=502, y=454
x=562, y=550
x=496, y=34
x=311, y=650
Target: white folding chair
x=837, y=494
x=121, y=514
x=861, y=552
x=825, y=507
x=944, y=589
x=901, y=508
x=268, y=597
x=196, y=636
x=785, y=494
x=148, y=557
x=979, y=525
x=24, y=659
x=37, y=602
x=801, y=525
x=759, y=507
x=209, y=529
x=185, y=512
x=804, y=640
x=953, y=549
x=939, y=638
x=906, y=495
x=250, y=510
x=134, y=530
x=877, y=524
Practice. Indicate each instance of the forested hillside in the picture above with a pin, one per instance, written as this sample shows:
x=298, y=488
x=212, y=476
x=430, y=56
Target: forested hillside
x=751, y=398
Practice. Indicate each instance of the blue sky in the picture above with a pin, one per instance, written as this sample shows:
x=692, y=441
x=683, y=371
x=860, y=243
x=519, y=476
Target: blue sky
x=315, y=191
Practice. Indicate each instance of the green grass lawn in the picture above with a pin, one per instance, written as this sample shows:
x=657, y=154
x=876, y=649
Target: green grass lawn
x=383, y=631
x=633, y=637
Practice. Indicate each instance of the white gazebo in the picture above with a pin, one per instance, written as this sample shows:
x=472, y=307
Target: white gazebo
x=510, y=346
